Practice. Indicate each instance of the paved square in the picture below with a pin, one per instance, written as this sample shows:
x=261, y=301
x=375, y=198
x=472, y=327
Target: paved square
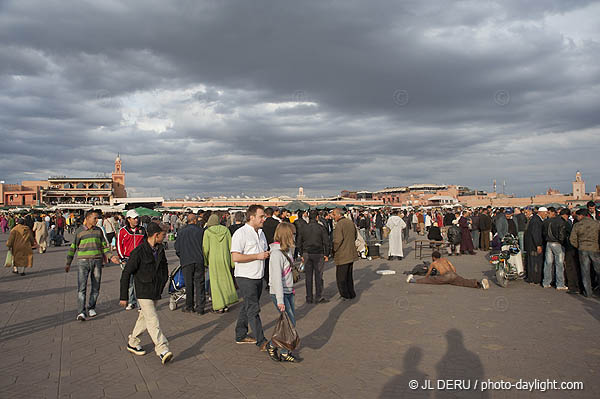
x=391, y=334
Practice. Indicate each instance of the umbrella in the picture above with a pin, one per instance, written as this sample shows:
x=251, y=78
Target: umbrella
x=145, y=212
x=297, y=206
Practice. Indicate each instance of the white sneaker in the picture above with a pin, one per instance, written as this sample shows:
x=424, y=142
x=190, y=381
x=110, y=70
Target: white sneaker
x=129, y=306
x=81, y=317
x=562, y=288
x=409, y=278
x=92, y=313
x=485, y=284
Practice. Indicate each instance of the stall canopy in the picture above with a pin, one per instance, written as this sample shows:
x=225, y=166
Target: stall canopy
x=297, y=206
x=146, y=212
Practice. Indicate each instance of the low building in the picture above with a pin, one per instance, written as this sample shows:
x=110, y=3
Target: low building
x=62, y=190
x=84, y=190
x=28, y=193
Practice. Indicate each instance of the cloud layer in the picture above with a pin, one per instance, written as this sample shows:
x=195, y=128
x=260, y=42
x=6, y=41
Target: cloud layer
x=254, y=97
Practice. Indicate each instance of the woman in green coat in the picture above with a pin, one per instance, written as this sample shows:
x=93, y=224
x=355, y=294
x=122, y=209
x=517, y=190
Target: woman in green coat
x=217, y=255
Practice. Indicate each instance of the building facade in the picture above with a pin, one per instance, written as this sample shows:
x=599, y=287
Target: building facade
x=60, y=190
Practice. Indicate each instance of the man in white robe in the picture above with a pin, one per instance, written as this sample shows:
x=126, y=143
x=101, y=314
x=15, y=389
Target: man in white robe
x=396, y=224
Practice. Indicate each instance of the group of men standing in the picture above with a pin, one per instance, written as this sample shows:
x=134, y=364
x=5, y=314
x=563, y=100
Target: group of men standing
x=559, y=244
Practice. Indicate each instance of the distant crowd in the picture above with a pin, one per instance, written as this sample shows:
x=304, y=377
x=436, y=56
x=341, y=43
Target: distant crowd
x=226, y=256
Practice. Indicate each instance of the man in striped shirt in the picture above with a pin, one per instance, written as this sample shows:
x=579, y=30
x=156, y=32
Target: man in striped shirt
x=92, y=252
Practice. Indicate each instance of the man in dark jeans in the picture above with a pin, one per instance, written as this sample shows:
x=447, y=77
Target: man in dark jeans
x=249, y=250
x=379, y=227
x=188, y=248
x=485, y=227
x=344, y=250
x=313, y=243
x=269, y=229
x=571, y=256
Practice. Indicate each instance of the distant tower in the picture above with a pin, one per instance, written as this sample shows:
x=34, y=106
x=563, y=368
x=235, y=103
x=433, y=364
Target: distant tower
x=118, y=178
x=301, y=193
x=494, y=185
x=578, y=187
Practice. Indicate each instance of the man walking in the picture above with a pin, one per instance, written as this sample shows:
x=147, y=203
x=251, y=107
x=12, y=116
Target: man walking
x=249, y=250
x=396, y=225
x=91, y=250
x=344, y=251
x=313, y=243
x=554, y=233
x=188, y=248
x=584, y=237
x=130, y=236
x=147, y=265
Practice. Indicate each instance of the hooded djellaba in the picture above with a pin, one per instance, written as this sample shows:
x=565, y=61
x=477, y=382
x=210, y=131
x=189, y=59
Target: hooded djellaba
x=217, y=256
x=20, y=243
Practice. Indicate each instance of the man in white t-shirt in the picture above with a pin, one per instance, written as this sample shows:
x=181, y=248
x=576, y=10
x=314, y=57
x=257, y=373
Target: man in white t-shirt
x=249, y=250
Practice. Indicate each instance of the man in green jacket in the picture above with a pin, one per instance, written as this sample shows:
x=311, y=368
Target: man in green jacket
x=584, y=237
x=344, y=251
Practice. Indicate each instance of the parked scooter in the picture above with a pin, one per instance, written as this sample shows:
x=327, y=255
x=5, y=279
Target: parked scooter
x=508, y=261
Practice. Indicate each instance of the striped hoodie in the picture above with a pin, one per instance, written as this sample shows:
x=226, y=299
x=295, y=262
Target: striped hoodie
x=88, y=244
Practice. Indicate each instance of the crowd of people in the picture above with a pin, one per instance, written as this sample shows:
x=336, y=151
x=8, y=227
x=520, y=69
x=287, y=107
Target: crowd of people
x=227, y=256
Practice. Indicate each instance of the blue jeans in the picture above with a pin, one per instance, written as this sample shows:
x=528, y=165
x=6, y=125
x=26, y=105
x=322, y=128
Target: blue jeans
x=378, y=234
x=475, y=238
x=555, y=256
x=290, y=309
x=585, y=258
x=93, y=269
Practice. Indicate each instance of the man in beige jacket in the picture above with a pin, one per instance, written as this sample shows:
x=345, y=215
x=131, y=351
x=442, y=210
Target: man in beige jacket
x=344, y=253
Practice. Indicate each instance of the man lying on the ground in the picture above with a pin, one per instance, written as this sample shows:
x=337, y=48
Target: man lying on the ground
x=446, y=275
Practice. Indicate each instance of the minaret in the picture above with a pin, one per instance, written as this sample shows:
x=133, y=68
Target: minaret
x=578, y=187
x=118, y=178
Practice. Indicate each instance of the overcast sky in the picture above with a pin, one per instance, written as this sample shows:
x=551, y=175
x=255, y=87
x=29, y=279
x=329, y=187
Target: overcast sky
x=266, y=96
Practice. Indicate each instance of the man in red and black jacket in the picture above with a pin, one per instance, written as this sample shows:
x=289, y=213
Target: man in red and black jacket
x=130, y=237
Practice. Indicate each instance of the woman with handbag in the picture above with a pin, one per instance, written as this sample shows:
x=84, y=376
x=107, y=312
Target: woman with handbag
x=281, y=282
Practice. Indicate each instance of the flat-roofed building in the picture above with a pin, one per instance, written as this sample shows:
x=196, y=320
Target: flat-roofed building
x=74, y=190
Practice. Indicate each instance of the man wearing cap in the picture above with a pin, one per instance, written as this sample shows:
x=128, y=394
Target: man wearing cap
x=584, y=237
x=130, y=236
x=534, y=245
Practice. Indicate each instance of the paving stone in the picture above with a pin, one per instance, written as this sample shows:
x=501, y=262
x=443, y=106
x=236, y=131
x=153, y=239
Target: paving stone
x=364, y=348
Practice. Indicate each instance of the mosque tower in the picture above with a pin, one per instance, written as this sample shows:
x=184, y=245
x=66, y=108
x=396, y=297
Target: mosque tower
x=118, y=178
x=578, y=187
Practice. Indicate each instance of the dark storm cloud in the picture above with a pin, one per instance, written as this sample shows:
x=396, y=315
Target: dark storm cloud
x=237, y=96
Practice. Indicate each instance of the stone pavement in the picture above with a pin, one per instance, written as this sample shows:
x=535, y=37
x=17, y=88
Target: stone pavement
x=370, y=347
